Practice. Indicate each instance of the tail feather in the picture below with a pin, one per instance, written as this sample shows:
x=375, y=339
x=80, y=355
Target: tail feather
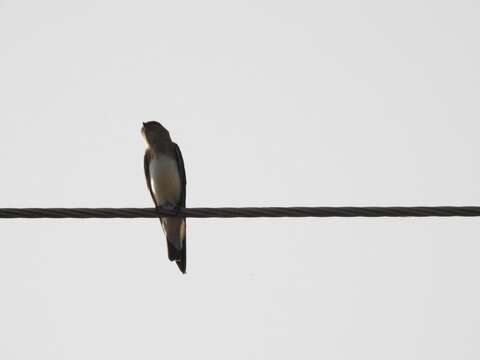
x=182, y=261
x=173, y=253
x=175, y=232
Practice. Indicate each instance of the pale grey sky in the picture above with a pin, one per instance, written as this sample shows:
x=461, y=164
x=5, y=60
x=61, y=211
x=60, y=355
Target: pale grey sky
x=273, y=103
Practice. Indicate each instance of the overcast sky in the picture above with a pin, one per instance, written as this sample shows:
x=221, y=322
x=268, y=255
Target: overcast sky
x=302, y=103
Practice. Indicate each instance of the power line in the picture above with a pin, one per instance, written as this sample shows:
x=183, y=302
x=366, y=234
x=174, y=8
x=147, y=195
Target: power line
x=244, y=212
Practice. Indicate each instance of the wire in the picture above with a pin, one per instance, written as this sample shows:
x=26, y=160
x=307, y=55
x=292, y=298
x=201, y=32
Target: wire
x=245, y=212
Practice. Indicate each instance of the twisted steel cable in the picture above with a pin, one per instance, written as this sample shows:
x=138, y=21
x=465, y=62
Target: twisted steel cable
x=244, y=212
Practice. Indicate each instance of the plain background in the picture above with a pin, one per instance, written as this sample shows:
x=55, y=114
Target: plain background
x=300, y=103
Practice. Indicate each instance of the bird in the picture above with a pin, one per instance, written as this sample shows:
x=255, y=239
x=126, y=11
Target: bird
x=166, y=182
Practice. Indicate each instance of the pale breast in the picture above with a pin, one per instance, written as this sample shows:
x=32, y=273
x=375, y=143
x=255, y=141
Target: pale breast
x=165, y=180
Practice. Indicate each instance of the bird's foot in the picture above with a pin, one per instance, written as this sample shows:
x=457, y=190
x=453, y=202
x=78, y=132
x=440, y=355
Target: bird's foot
x=177, y=209
x=174, y=208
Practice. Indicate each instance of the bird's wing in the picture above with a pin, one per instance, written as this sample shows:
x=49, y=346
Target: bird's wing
x=183, y=178
x=182, y=259
x=146, y=166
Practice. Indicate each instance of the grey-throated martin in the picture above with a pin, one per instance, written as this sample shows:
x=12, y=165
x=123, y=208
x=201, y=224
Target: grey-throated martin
x=165, y=175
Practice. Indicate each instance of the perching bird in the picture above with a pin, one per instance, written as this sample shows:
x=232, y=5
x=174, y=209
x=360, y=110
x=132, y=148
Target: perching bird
x=165, y=174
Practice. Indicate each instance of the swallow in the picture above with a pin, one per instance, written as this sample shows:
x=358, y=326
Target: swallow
x=166, y=182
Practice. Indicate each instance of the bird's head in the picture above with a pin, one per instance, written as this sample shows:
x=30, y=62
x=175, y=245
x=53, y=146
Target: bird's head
x=153, y=132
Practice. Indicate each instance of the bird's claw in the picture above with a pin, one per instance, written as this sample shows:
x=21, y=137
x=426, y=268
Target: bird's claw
x=177, y=210
x=172, y=207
